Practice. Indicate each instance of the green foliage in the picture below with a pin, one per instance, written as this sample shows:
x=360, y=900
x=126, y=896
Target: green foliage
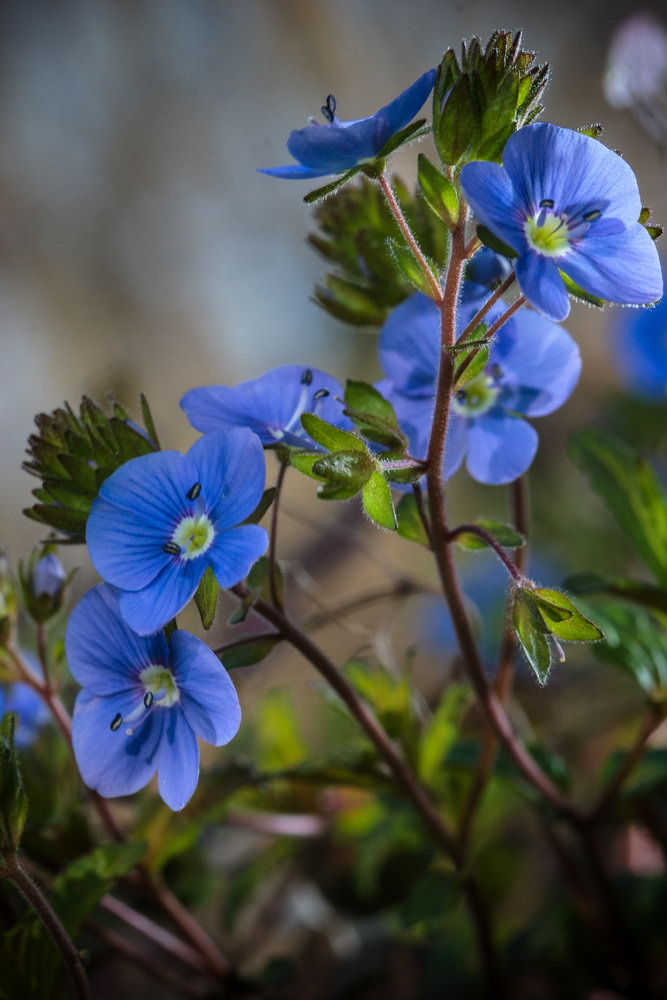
x=563, y=618
x=405, y=262
x=410, y=524
x=481, y=100
x=247, y=651
x=13, y=800
x=442, y=732
x=73, y=455
x=504, y=534
x=531, y=632
x=438, y=191
x=353, y=228
x=631, y=491
x=373, y=415
x=490, y=239
x=206, y=598
x=473, y=360
x=636, y=644
x=377, y=503
x=580, y=293
x=541, y=617
x=647, y=595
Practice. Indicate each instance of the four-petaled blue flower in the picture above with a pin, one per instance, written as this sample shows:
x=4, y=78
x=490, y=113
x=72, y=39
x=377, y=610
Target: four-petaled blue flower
x=533, y=367
x=641, y=350
x=162, y=519
x=339, y=146
x=271, y=405
x=564, y=202
x=144, y=702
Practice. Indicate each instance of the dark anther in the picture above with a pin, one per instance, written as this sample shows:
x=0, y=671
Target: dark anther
x=461, y=395
x=593, y=215
x=172, y=548
x=149, y=698
x=306, y=376
x=329, y=109
x=321, y=394
x=547, y=203
x=194, y=491
x=496, y=371
x=116, y=722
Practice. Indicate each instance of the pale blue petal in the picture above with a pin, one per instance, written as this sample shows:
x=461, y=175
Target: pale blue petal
x=208, y=697
x=623, y=268
x=500, y=448
x=332, y=149
x=494, y=202
x=640, y=340
x=293, y=172
x=234, y=552
x=153, y=487
x=404, y=108
x=230, y=467
x=30, y=711
x=542, y=285
x=456, y=443
x=178, y=764
x=147, y=610
x=409, y=345
x=103, y=654
x=126, y=548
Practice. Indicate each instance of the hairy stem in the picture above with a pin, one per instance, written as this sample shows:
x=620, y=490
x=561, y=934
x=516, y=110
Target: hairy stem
x=415, y=249
x=273, y=543
x=490, y=302
x=475, y=529
x=491, y=332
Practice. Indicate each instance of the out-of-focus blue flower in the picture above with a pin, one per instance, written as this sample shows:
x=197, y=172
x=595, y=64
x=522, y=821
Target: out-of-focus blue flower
x=271, y=405
x=339, y=146
x=48, y=577
x=533, y=367
x=563, y=201
x=144, y=702
x=162, y=519
x=484, y=272
x=22, y=701
x=640, y=341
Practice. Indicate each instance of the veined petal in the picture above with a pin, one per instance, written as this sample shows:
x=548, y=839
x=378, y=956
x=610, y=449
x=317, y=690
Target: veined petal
x=400, y=112
x=178, y=764
x=539, y=363
x=152, y=486
x=147, y=610
x=113, y=763
x=500, y=448
x=573, y=170
x=623, y=268
x=208, y=698
x=494, y=202
x=542, y=285
x=230, y=467
x=334, y=149
x=126, y=548
x=103, y=654
x=233, y=552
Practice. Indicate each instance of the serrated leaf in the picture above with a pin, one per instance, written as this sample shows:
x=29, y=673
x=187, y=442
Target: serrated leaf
x=206, y=598
x=330, y=437
x=438, y=191
x=408, y=266
x=410, y=525
x=377, y=502
x=564, y=618
x=580, y=293
x=247, y=652
x=504, y=534
x=268, y=496
x=323, y=192
x=490, y=239
x=531, y=633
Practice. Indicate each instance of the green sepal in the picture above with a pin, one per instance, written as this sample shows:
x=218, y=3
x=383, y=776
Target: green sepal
x=479, y=362
x=413, y=131
x=531, y=632
x=348, y=471
x=458, y=127
x=490, y=239
x=655, y=232
x=377, y=502
x=349, y=302
x=404, y=260
x=580, y=293
x=206, y=598
x=438, y=191
x=407, y=474
x=247, y=652
x=373, y=415
x=258, y=580
x=563, y=618
x=492, y=147
x=319, y=194
x=330, y=437
x=260, y=510
x=410, y=525
x=592, y=131
x=304, y=462
x=504, y=534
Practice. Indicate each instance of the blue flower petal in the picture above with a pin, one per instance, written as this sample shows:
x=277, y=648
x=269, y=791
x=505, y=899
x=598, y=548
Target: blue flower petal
x=293, y=172
x=126, y=549
x=539, y=364
x=178, y=764
x=103, y=654
x=542, y=285
x=30, y=711
x=622, y=268
x=152, y=486
x=234, y=552
x=113, y=763
x=574, y=171
x=147, y=610
x=493, y=201
x=208, y=698
x=640, y=340
x=456, y=443
x=409, y=345
x=229, y=465
x=500, y=447
x=400, y=112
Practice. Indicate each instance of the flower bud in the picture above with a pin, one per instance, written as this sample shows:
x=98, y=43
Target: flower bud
x=43, y=582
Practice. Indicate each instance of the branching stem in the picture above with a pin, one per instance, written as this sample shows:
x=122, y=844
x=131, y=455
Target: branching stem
x=397, y=212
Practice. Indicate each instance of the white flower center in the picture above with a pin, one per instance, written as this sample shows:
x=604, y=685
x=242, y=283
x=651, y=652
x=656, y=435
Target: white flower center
x=160, y=684
x=194, y=535
x=477, y=397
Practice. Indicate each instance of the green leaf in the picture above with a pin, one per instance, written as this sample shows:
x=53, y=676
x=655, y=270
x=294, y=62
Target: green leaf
x=635, y=643
x=442, y=731
x=206, y=598
x=408, y=134
x=645, y=594
x=531, y=632
x=491, y=240
x=580, y=293
x=504, y=534
x=319, y=194
x=377, y=502
x=149, y=423
x=330, y=437
x=345, y=472
x=247, y=652
x=438, y=191
x=373, y=415
x=260, y=510
x=480, y=360
x=563, y=617
x=410, y=524
x=493, y=146
x=304, y=462
x=259, y=579
x=406, y=263
x=631, y=491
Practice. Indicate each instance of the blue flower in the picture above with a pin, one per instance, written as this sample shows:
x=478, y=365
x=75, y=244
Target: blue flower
x=485, y=271
x=144, y=702
x=533, y=367
x=270, y=405
x=48, y=577
x=162, y=519
x=339, y=146
x=23, y=701
x=564, y=202
x=640, y=341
